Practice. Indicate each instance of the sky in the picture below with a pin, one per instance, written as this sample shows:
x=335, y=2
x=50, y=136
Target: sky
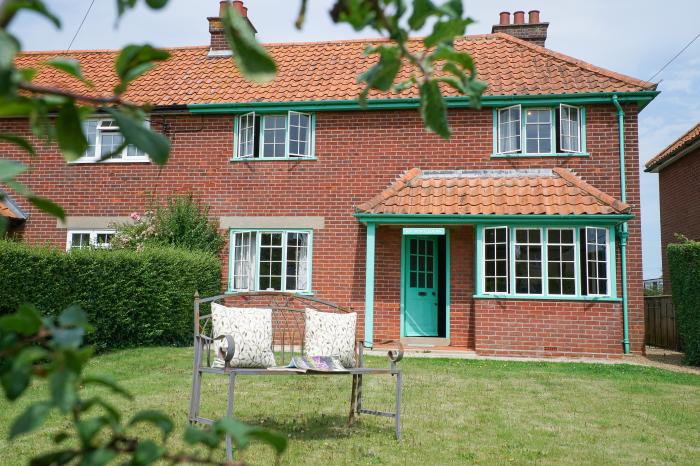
x=634, y=37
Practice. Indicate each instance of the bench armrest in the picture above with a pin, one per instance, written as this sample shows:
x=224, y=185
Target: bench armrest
x=230, y=348
x=393, y=355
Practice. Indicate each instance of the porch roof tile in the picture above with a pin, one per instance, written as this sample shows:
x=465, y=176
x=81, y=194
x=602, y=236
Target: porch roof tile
x=9, y=209
x=498, y=192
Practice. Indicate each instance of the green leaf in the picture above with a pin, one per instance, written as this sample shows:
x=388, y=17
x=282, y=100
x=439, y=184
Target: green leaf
x=251, y=57
x=73, y=316
x=135, y=60
x=89, y=428
x=422, y=10
x=30, y=419
x=446, y=31
x=146, y=453
x=54, y=458
x=112, y=413
x=15, y=381
x=63, y=389
x=99, y=457
x=382, y=75
x=69, y=132
x=47, y=206
x=157, y=418
x=194, y=436
x=450, y=55
x=69, y=66
x=9, y=47
x=241, y=434
x=433, y=109
x=68, y=338
x=9, y=169
x=108, y=382
x=154, y=144
x=156, y=4
x=18, y=141
x=26, y=321
x=37, y=6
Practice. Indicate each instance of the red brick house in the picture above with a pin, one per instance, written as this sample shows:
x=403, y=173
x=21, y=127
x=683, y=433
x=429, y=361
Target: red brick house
x=678, y=167
x=518, y=236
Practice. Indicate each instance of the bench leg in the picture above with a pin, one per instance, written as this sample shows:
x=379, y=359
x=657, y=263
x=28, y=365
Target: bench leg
x=229, y=413
x=398, y=406
x=353, y=394
x=358, y=396
x=196, y=388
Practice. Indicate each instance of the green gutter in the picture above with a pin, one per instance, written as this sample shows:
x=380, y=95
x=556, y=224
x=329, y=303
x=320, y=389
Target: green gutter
x=623, y=230
x=641, y=98
x=452, y=219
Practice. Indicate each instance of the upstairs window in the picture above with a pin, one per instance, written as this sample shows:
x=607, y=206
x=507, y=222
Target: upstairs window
x=539, y=130
x=280, y=136
x=106, y=143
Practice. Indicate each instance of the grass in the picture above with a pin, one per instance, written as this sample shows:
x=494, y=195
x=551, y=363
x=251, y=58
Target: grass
x=455, y=412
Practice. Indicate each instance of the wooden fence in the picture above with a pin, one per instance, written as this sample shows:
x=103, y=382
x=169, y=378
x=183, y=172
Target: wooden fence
x=660, y=322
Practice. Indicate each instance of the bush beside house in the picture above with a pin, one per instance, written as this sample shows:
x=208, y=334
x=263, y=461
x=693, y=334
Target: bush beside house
x=684, y=267
x=132, y=298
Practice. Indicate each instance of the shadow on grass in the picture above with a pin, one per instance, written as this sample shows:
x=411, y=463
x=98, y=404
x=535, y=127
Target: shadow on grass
x=319, y=427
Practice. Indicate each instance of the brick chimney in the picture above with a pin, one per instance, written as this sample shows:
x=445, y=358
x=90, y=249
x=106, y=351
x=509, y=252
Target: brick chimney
x=219, y=46
x=534, y=30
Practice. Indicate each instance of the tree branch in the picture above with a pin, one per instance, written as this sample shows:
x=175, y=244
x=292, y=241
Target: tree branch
x=107, y=100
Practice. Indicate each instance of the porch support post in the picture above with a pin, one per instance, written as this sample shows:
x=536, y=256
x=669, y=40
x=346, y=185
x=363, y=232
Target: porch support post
x=369, y=284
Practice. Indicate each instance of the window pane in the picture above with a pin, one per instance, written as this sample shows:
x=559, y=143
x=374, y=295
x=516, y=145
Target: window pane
x=495, y=265
x=246, y=135
x=274, y=132
x=80, y=240
x=90, y=128
x=597, y=260
x=270, y=261
x=538, y=131
x=299, y=131
x=569, y=128
x=561, y=266
x=509, y=129
x=528, y=263
x=243, y=244
x=110, y=142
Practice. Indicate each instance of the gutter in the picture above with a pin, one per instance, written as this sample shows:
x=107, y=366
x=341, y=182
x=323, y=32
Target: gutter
x=623, y=228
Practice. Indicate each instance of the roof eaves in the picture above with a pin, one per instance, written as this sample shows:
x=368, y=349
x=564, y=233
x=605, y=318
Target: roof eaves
x=12, y=206
x=670, y=154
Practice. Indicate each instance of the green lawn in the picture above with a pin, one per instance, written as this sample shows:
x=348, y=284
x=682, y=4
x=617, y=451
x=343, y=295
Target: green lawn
x=455, y=412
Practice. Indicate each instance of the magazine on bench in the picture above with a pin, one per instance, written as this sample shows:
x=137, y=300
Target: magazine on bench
x=303, y=364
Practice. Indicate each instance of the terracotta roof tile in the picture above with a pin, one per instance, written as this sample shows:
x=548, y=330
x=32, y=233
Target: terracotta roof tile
x=493, y=192
x=328, y=71
x=9, y=209
x=669, y=153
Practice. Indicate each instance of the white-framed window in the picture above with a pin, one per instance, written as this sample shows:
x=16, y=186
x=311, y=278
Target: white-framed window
x=569, y=128
x=270, y=260
x=509, y=138
x=597, y=261
x=561, y=261
x=543, y=261
x=83, y=239
x=539, y=130
x=527, y=257
x=104, y=138
x=496, y=260
x=274, y=136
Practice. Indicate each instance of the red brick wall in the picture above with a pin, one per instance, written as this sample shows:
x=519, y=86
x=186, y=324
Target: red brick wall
x=359, y=154
x=679, y=191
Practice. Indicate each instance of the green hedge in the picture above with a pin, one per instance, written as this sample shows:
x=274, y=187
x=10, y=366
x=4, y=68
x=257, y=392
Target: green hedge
x=684, y=268
x=131, y=298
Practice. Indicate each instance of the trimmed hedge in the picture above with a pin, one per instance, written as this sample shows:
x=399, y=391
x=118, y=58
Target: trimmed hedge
x=131, y=298
x=684, y=268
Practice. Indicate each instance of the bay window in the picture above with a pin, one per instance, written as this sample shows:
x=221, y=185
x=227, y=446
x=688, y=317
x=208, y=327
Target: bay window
x=278, y=136
x=564, y=262
x=539, y=130
x=263, y=260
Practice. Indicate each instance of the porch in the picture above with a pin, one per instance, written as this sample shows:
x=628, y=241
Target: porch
x=445, y=270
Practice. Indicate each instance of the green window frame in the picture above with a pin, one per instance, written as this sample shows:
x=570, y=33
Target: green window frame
x=256, y=136
x=548, y=247
x=567, y=131
x=254, y=253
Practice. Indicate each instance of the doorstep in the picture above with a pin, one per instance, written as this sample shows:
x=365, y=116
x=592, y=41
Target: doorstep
x=425, y=342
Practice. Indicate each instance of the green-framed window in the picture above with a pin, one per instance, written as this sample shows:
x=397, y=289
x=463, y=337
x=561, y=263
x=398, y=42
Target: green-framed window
x=539, y=131
x=553, y=261
x=275, y=136
x=270, y=260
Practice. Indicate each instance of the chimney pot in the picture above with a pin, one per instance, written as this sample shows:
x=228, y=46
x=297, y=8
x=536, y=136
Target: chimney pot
x=534, y=17
x=519, y=17
x=504, y=18
x=222, y=7
x=238, y=5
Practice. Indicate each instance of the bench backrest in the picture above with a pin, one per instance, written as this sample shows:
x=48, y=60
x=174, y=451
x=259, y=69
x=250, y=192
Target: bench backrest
x=288, y=316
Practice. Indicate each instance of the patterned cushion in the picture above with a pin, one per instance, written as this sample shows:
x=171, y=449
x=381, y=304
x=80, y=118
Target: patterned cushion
x=328, y=334
x=251, y=329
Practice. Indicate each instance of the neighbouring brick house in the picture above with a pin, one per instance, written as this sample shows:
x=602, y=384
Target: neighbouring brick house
x=678, y=167
x=518, y=236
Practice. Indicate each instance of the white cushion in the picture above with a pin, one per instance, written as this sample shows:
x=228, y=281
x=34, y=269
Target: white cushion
x=330, y=334
x=251, y=329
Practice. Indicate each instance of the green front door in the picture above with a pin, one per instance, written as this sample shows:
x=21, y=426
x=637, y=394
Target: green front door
x=421, y=286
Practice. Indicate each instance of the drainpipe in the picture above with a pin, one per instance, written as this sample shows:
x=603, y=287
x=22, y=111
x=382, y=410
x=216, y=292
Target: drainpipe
x=623, y=233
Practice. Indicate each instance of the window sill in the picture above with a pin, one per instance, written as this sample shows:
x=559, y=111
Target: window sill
x=547, y=298
x=108, y=161
x=273, y=159
x=302, y=293
x=558, y=154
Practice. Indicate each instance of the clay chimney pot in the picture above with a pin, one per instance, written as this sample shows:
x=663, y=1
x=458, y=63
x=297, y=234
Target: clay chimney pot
x=519, y=17
x=238, y=5
x=534, y=17
x=222, y=7
x=504, y=18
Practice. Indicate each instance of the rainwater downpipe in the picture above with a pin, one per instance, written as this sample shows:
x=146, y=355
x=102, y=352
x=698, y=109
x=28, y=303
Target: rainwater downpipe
x=623, y=233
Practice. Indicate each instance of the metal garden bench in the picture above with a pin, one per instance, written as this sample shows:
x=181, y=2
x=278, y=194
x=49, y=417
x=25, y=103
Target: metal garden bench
x=288, y=319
